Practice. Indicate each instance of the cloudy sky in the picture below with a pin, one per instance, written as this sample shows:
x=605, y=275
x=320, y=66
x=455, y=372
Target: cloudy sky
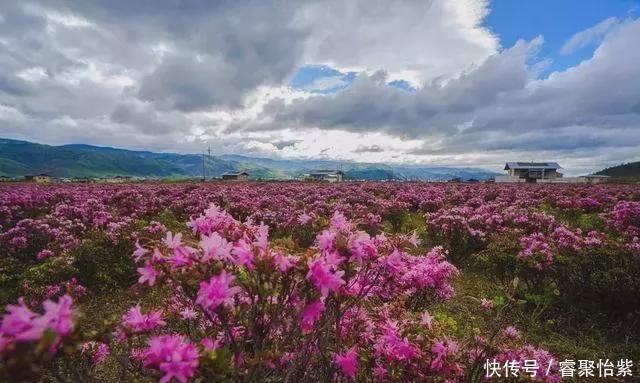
x=466, y=82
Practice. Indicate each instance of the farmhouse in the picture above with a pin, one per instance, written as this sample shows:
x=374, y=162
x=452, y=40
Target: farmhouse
x=5, y=179
x=530, y=172
x=41, y=178
x=242, y=176
x=327, y=175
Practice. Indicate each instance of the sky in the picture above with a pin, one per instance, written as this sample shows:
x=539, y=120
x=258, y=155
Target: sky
x=461, y=83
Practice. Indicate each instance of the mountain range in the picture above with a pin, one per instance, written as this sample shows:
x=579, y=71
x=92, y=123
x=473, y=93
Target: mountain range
x=628, y=170
x=19, y=158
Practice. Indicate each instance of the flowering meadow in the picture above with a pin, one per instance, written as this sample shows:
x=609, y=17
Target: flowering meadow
x=300, y=282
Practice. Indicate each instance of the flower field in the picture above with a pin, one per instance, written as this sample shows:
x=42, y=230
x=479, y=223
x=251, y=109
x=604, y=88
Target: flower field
x=297, y=282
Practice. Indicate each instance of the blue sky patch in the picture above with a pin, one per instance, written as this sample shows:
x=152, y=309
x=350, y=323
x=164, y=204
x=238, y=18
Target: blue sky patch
x=321, y=79
x=324, y=80
x=403, y=85
x=557, y=21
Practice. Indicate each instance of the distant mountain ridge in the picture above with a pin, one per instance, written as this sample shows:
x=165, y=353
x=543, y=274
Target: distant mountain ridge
x=19, y=158
x=628, y=170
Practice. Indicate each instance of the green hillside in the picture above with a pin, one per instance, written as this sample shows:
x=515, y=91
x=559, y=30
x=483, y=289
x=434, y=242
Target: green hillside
x=20, y=158
x=628, y=170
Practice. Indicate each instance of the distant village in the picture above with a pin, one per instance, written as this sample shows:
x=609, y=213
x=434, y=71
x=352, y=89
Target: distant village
x=516, y=172
x=330, y=176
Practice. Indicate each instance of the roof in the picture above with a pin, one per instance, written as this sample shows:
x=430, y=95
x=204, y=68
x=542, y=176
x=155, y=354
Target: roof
x=532, y=165
x=236, y=174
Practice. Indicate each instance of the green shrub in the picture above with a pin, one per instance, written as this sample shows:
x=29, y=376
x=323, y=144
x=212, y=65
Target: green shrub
x=103, y=265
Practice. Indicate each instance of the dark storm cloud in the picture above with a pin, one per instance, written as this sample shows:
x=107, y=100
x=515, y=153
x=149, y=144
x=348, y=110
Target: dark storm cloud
x=140, y=63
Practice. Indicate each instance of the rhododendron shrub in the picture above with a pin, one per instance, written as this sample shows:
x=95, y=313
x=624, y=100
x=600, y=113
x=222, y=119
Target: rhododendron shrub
x=27, y=336
x=305, y=282
x=271, y=312
x=567, y=268
x=457, y=229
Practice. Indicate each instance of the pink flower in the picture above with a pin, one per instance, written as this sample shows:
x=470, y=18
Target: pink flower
x=333, y=258
x=325, y=240
x=188, y=313
x=487, y=303
x=414, y=240
x=441, y=350
x=511, y=332
x=311, y=314
x=379, y=371
x=19, y=323
x=173, y=355
x=323, y=279
x=426, y=320
x=243, y=254
x=217, y=291
x=44, y=254
x=156, y=227
x=99, y=351
x=210, y=344
x=215, y=247
x=182, y=257
x=262, y=237
x=173, y=241
x=147, y=274
x=58, y=316
x=390, y=345
x=139, y=251
x=53, y=290
x=304, y=218
x=283, y=262
x=339, y=222
x=361, y=246
x=135, y=321
x=22, y=324
x=157, y=256
x=347, y=362
x=536, y=250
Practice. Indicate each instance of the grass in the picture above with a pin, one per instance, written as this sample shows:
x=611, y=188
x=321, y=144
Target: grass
x=567, y=337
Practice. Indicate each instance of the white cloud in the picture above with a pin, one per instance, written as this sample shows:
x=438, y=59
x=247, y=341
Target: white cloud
x=590, y=35
x=411, y=40
x=178, y=76
x=326, y=83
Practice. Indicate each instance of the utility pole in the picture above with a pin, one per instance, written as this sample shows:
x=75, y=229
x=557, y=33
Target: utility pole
x=209, y=153
x=203, y=172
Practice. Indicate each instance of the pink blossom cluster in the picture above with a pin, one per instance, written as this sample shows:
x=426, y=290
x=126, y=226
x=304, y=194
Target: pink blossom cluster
x=20, y=324
x=173, y=355
x=135, y=321
x=536, y=251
